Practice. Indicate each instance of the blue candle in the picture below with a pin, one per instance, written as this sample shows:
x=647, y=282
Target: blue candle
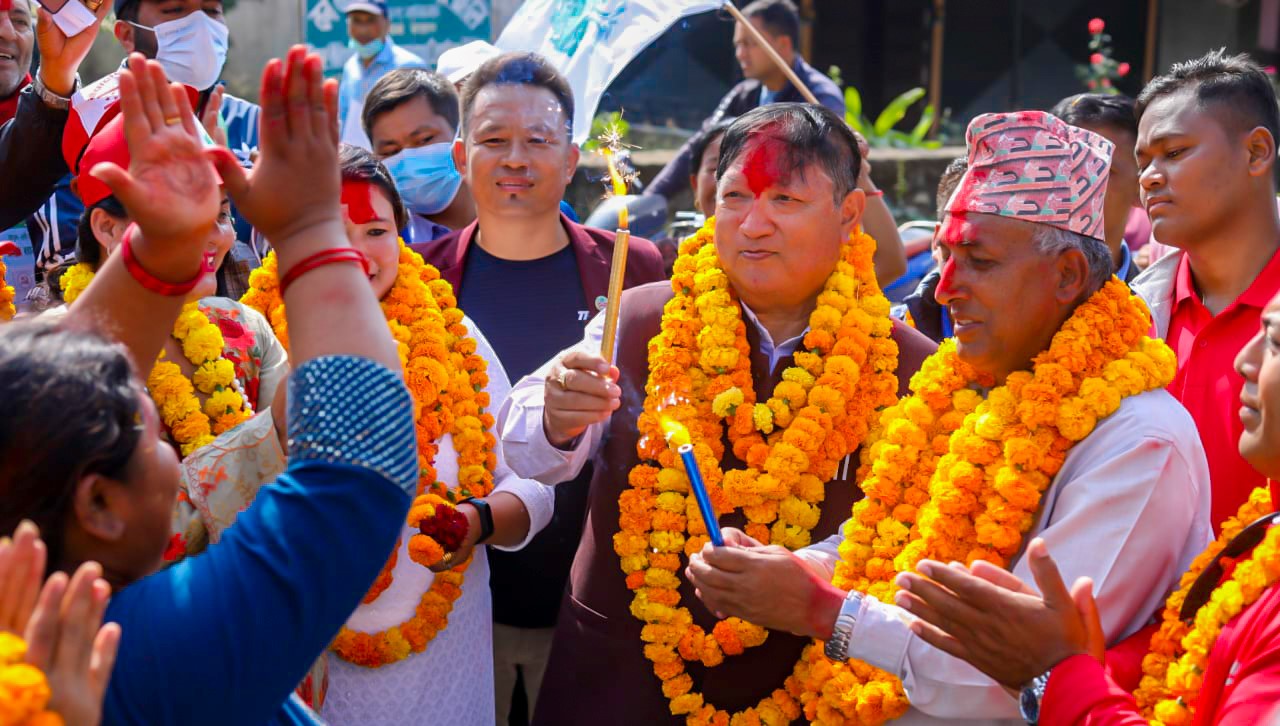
x=700, y=493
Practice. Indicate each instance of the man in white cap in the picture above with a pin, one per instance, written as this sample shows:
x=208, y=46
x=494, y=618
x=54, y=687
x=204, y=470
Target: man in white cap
x=369, y=33
x=458, y=62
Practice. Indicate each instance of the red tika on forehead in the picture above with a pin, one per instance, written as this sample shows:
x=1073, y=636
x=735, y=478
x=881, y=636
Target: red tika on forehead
x=953, y=227
x=6, y=6
x=763, y=164
x=357, y=197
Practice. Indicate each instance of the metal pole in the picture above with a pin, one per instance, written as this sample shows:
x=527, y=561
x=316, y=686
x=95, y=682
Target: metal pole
x=777, y=58
x=1015, y=77
x=1153, y=31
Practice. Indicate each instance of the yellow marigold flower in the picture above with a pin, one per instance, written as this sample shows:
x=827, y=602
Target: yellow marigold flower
x=762, y=416
x=727, y=402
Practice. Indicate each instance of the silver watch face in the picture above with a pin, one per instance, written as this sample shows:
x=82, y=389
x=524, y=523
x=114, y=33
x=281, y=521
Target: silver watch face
x=1029, y=703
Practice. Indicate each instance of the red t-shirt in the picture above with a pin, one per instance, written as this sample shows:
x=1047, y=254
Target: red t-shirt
x=1207, y=383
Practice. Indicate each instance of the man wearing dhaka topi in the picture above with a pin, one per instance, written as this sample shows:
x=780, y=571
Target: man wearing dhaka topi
x=1046, y=416
x=773, y=345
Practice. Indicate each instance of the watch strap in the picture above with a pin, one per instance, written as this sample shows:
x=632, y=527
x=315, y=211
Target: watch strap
x=486, y=517
x=837, y=646
x=51, y=99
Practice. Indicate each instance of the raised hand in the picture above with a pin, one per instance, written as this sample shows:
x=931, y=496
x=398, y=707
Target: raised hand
x=211, y=118
x=60, y=56
x=295, y=185
x=22, y=561
x=67, y=640
x=170, y=189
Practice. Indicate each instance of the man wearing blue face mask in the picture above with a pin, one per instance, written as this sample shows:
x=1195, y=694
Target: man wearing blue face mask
x=411, y=118
x=369, y=31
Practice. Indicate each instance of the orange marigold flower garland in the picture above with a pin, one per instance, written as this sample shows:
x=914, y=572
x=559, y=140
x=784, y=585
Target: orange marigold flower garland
x=446, y=378
x=24, y=689
x=950, y=475
x=190, y=424
x=7, y=308
x=700, y=375
x=1179, y=653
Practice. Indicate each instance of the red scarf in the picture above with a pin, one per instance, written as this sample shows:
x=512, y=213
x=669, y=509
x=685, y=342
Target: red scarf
x=9, y=106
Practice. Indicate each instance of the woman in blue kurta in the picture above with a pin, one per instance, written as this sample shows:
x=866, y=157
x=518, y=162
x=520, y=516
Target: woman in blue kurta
x=225, y=637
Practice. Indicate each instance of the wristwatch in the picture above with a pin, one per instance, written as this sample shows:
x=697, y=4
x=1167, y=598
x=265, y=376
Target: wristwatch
x=1032, y=695
x=837, y=647
x=51, y=99
x=486, y=517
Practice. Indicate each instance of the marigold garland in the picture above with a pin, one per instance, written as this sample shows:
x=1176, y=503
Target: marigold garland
x=949, y=475
x=446, y=378
x=1179, y=653
x=190, y=424
x=700, y=375
x=24, y=689
x=7, y=308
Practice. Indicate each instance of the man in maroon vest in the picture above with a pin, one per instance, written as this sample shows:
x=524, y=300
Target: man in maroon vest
x=787, y=201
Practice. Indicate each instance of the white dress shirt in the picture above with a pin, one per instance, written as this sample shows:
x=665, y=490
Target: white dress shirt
x=520, y=419
x=1129, y=508
x=452, y=680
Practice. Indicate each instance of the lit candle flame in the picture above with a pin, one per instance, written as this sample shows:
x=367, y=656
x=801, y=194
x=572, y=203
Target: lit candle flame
x=618, y=182
x=675, y=432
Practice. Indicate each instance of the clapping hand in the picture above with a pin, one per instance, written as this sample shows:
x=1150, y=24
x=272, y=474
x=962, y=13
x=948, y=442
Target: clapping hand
x=170, y=189
x=295, y=186
x=999, y=624
x=22, y=562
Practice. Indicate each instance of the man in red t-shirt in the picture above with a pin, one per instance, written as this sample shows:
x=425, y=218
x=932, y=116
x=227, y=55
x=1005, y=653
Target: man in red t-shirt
x=1206, y=157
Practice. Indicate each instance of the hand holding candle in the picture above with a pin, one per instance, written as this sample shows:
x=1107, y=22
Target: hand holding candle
x=678, y=437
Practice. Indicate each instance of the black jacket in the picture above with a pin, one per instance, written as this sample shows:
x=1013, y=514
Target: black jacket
x=30, y=157
x=674, y=178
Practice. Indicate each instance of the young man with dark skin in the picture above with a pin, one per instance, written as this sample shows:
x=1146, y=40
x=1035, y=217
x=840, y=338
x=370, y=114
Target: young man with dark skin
x=531, y=279
x=778, y=237
x=17, y=38
x=1206, y=156
x=1134, y=487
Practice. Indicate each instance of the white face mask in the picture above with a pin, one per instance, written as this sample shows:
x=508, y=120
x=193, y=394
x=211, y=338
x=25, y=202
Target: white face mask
x=192, y=49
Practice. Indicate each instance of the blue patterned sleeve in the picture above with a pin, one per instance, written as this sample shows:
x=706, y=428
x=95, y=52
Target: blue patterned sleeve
x=347, y=410
x=225, y=637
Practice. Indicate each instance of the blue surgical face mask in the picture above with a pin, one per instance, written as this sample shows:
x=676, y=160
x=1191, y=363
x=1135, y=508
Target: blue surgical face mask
x=426, y=177
x=366, y=50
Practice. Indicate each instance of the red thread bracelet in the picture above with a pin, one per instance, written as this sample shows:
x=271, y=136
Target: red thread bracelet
x=320, y=259
x=150, y=281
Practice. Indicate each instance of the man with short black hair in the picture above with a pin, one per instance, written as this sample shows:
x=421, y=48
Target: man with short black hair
x=787, y=206
x=17, y=38
x=1206, y=152
x=411, y=118
x=531, y=279
x=1112, y=117
x=764, y=83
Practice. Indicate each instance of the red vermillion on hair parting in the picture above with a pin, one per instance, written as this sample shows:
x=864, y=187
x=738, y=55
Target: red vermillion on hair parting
x=763, y=164
x=357, y=197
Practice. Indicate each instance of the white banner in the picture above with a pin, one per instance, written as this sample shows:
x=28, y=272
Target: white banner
x=591, y=41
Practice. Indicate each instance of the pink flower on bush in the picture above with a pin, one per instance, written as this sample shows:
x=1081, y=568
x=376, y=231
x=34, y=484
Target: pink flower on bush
x=1123, y=69
x=1097, y=59
x=1096, y=26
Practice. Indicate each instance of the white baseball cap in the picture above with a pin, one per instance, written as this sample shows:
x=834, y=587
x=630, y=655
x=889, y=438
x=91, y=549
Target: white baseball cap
x=461, y=61
x=375, y=7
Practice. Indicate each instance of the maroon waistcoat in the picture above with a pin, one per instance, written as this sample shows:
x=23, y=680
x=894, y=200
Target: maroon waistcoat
x=598, y=672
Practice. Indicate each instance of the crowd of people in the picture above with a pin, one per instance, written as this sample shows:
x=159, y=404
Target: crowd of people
x=313, y=418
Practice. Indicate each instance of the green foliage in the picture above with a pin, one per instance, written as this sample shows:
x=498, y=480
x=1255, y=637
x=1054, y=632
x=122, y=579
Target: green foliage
x=606, y=126
x=881, y=133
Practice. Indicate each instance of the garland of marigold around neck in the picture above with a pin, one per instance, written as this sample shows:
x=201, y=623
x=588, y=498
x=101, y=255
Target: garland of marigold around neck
x=24, y=689
x=700, y=375
x=446, y=378
x=952, y=476
x=7, y=308
x=1174, y=667
x=190, y=424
